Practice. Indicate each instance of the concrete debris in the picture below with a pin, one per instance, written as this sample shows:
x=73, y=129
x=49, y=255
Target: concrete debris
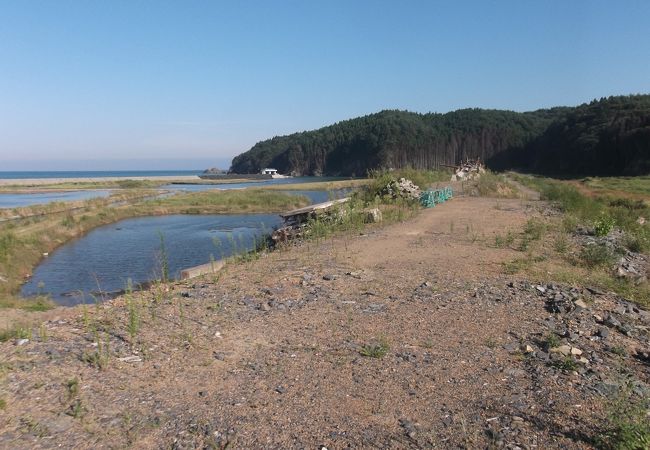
x=130, y=359
x=470, y=169
x=401, y=188
x=373, y=215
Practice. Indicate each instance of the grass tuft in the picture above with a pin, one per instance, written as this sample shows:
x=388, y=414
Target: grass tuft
x=375, y=350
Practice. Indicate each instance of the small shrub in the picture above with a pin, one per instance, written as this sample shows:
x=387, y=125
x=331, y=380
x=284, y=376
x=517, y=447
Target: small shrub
x=636, y=243
x=68, y=221
x=568, y=363
x=8, y=241
x=15, y=332
x=94, y=359
x=552, y=341
x=515, y=266
x=561, y=244
x=627, y=425
x=524, y=244
x=632, y=205
x=76, y=409
x=73, y=387
x=504, y=241
x=569, y=223
x=596, y=255
x=603, y=226
x=378, y=350
x=534, y=229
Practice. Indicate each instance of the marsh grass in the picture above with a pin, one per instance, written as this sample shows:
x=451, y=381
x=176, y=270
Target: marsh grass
x=16, y=331
x=229, y=201
x=35, y=304
x=637, y=185
x=491, y=184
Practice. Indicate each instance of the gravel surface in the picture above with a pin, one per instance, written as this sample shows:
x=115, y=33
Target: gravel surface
x=406, y=336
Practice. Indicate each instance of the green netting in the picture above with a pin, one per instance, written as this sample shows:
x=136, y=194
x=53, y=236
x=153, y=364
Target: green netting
x=431, y=198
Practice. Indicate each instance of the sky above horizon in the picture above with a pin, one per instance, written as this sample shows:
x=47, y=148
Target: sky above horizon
x=89, y=85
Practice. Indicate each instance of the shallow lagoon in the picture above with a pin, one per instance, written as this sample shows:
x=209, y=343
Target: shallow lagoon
x=108, y=256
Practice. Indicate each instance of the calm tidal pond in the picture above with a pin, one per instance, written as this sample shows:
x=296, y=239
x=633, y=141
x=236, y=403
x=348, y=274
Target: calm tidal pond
x=106, y=258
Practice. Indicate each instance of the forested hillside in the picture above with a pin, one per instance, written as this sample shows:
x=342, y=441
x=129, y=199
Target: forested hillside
x=606, y=137
x=612, y=134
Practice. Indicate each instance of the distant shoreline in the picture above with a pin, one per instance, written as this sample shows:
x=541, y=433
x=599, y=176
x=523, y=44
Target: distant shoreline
x=41, y=181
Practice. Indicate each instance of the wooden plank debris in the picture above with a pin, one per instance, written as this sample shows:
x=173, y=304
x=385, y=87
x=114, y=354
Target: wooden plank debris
x=313, y=208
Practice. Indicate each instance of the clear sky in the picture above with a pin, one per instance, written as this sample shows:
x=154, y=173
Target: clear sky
x=190, y=84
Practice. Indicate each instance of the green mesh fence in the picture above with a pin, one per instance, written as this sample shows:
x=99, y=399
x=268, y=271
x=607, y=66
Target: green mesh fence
x=431, y=198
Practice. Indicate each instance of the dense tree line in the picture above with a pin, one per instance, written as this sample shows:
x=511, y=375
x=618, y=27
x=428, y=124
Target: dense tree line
x=605, y=137
x=605, y=131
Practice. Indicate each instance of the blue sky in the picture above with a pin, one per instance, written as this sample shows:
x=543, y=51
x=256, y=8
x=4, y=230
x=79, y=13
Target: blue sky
x=190, y=84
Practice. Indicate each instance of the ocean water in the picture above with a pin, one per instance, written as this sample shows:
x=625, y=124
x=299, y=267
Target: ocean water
x=97, y=174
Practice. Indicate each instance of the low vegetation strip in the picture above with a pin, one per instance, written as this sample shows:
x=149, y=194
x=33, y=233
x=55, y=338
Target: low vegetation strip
x=59, y=185
x=624, y=185
x=228, y=201
x=319, y=185
x=600, y=240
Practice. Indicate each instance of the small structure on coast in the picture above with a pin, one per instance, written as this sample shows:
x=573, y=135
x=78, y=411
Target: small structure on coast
x=269, y=171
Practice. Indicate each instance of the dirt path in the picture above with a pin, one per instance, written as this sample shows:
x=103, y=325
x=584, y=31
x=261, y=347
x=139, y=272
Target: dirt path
x=407, y=336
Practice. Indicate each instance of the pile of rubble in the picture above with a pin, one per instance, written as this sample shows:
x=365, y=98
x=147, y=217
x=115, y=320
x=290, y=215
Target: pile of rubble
x=630, y=265
x=297, y=222
x=401, y=188
x=470, y=169
x=633, y=266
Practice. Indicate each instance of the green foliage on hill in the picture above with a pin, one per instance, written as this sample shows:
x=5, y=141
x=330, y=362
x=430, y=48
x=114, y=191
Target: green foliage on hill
x=606, y=137
x=612, y=134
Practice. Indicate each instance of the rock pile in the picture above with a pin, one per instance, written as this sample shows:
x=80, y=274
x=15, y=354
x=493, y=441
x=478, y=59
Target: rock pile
x=633, y=266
